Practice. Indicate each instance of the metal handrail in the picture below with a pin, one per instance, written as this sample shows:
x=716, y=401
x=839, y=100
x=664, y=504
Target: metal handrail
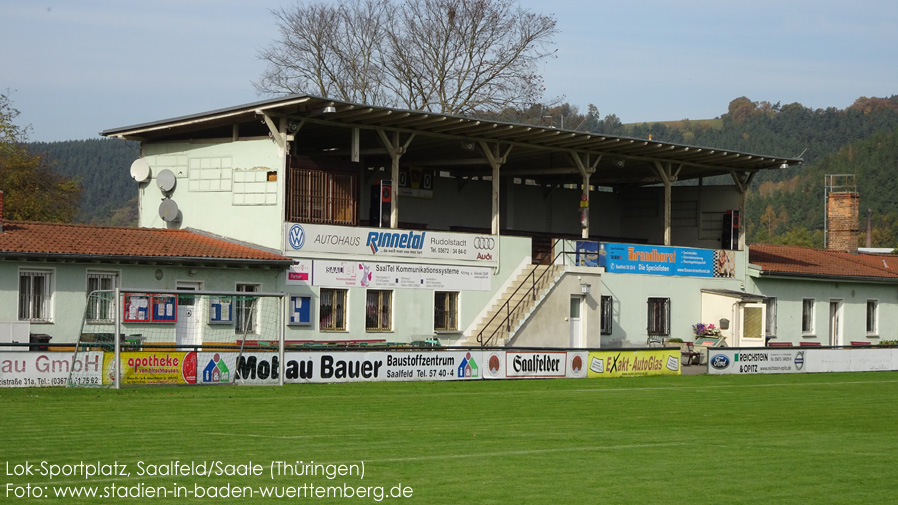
x=531, y=292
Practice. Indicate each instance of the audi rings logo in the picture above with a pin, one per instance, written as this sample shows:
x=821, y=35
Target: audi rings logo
x=297, y=236
x=484, y=243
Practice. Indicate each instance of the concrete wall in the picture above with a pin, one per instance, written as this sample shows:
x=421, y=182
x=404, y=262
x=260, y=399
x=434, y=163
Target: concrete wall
x=413, y=309
x=854, y=295
x=69, y=293
x=221, y=187
x=549, y=325
x=630, y=293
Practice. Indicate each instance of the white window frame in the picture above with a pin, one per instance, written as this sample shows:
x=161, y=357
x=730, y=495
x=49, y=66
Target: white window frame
x=241, y=310
x=45, y=311
x=872, y=323
x=808, y=310
x=98, y=307
x=449, y=309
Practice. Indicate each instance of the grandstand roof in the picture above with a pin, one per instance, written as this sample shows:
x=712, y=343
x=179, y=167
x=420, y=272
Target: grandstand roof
x=452, y=143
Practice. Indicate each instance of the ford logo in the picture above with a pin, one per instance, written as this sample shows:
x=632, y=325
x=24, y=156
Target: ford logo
x=720, y=361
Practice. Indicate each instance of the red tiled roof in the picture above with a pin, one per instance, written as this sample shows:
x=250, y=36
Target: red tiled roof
x=26, y=238
x=785, y=260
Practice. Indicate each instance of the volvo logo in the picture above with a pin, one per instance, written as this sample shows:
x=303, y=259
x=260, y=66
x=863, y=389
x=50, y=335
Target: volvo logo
x=297, y=236
x=484, y=243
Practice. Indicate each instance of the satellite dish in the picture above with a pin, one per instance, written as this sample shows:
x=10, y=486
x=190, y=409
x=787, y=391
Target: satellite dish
x=168, y=210
x=140, y=170
x=166, y=180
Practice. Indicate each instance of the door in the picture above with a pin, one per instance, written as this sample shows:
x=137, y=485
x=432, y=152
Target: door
x=835, y=322
x=576, y=324
x=188, y=330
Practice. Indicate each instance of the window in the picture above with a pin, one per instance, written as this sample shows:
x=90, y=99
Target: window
x=807, y=316
x=34, y=295
x=771, y=316
x=445, y=311
x=246, y=310
x=607, y=304
x=659, y=316
x=317, y=196
x=99, y=305
x=332, y=310
x=378, y=310
x=872, y=317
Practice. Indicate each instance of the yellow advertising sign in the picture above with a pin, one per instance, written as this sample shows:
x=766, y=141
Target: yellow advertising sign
x=623, y=363
x=152, y=368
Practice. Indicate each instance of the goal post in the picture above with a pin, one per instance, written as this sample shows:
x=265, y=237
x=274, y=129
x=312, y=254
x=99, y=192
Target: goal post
x=173, y=337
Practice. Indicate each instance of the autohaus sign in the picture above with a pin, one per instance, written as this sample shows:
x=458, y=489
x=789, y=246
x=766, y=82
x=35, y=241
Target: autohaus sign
x=310, y=240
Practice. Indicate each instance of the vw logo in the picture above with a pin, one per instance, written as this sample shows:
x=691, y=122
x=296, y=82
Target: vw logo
x=297, y=236
x=484, y=243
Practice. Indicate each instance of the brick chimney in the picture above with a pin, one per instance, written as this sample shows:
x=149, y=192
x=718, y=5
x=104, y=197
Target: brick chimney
x=842, y=221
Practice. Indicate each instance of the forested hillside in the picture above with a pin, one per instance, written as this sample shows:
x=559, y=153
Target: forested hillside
x=784, y=206
x=102, y=166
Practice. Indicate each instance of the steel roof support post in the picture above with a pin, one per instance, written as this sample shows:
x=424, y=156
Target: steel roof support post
x=586, y=170
x=496, y=162
x=743, y=182
x=668, y=177
x=355, y=156
x=396, y=151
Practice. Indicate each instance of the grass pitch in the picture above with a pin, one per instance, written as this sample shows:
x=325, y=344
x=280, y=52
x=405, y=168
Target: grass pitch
x=804, y=438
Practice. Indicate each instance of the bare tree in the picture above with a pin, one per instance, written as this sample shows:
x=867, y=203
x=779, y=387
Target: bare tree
x=449, y=56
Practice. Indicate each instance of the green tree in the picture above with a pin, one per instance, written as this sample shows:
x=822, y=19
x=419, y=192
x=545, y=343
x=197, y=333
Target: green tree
x=32, y=191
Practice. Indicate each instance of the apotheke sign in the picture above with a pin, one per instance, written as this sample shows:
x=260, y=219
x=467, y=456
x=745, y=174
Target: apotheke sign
x=377, y=243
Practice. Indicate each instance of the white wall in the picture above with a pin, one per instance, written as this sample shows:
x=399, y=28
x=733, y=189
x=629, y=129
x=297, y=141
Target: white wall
x=221, y=188
x=854, y=295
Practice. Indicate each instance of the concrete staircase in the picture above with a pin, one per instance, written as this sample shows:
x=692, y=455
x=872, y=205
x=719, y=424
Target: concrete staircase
x=521, y=302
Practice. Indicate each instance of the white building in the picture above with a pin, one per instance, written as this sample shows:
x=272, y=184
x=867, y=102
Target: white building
x=407, y=226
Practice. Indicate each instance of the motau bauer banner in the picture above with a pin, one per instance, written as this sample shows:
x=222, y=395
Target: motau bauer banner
x=372, y=244
x=663, y=260
x=26, y=369
x=351, y=366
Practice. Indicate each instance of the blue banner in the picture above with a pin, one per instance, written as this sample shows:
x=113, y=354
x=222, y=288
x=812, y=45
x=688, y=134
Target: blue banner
x=663, y=260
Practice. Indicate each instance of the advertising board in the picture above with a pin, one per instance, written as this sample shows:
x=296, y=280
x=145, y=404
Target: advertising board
x=525, y=364
x=347, y=274
x=625, y=363
x=372, y=244
x=26, y=369
x=664, y=260
x=348, y=366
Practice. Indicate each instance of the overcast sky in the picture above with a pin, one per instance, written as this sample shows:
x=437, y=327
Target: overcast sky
x=78, y=67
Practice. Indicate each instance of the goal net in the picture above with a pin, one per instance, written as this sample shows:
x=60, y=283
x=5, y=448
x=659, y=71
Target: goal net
x=173, y=337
